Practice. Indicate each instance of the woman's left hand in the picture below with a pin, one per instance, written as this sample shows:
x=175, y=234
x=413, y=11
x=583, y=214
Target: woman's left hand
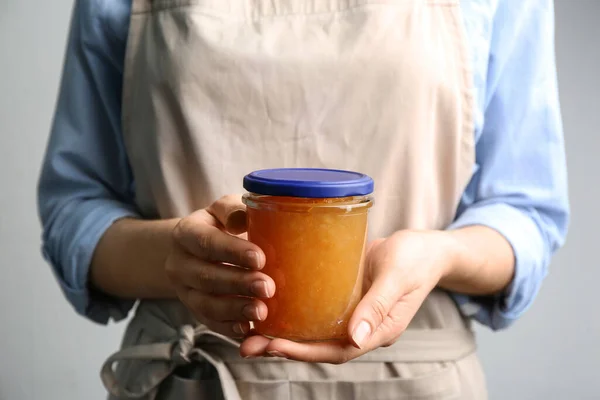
x=400, y=272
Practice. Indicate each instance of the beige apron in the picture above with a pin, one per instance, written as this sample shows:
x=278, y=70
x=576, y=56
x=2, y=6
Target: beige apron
x=217, y=88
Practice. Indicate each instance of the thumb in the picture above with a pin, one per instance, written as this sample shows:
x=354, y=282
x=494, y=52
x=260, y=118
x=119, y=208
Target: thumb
x=230, y=212
x=373, y=309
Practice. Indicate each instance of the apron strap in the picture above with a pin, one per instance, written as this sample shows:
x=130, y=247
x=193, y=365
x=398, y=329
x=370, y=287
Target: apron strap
x=173, y=353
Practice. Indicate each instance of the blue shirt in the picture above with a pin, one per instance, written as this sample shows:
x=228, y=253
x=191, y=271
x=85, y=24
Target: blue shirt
x=519, y=186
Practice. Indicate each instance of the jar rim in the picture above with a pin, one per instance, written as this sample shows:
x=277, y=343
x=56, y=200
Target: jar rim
x=303, y=204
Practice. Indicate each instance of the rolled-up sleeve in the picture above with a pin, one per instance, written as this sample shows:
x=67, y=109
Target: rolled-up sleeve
x=85, y=183
x=519, y=187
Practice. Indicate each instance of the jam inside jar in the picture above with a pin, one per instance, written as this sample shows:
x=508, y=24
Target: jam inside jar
x=312, y=226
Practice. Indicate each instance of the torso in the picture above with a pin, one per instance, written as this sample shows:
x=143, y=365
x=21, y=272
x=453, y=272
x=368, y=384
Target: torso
x=215, y=89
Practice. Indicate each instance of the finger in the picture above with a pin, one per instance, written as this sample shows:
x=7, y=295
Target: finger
x=372, y=244
x=224, y=309
x=374, y=307
x=236, y=330
x=230, y=212
x=394, y=325
x=254, y=346
x=210, y=243
x=219, y=279
x=333, y=352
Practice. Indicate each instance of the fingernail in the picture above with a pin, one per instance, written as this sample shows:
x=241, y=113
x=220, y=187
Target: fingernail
x=253, y=258
x=361, y=333
x=276, y=353
x=260, y=289
x=237, y=329
x=251, y=312
x=240, y=329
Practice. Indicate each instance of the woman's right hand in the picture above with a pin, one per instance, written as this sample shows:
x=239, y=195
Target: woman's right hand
x=215, y=272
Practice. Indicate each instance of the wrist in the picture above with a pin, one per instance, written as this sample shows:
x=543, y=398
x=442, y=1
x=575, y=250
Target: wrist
x=439, y=250
x=455, y=252
x=479, y=261
x=448, y=254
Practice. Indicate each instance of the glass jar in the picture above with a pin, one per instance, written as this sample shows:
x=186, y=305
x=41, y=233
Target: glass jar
x=312, y=226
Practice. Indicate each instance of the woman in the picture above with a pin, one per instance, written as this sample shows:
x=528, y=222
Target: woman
x=452, y=108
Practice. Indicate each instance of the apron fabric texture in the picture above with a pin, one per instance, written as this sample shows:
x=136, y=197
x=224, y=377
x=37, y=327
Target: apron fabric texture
x=214, y=89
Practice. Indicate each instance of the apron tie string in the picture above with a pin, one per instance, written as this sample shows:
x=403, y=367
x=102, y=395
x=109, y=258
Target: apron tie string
x=163, y=358
x=185, y=345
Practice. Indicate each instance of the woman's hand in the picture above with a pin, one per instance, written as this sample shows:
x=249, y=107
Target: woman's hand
x=215, y=273
x=400, y=272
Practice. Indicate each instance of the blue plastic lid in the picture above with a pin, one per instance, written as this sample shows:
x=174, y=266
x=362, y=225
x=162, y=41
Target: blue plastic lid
x=308, y=182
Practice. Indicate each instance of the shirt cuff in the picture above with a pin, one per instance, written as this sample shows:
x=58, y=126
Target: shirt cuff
x=70, y=255
x=519, y=228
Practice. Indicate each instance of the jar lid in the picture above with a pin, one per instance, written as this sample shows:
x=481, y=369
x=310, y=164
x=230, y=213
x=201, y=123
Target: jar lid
x=308, y=182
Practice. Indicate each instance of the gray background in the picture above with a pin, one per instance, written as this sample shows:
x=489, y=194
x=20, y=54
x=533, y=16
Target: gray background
x=47, y=352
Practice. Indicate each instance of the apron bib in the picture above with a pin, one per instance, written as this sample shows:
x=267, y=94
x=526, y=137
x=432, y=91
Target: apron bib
x=214, y=89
